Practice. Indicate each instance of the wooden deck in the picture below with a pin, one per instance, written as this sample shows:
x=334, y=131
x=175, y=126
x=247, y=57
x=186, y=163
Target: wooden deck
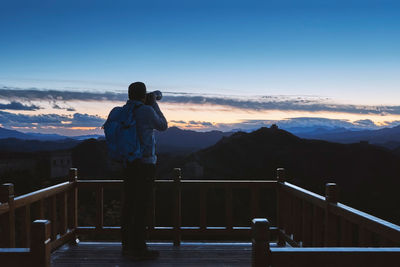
x=188, y=254
x=318, y=229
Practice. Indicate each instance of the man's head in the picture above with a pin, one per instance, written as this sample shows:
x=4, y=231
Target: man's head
x=137, y=91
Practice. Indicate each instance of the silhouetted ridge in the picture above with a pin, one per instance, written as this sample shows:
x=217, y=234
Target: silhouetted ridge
x=369, y=172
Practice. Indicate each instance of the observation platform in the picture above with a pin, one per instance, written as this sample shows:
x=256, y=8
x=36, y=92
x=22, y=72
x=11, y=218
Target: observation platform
x=108, y=254
x=302, y=228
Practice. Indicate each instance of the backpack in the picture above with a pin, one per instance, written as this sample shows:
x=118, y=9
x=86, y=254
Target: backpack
x=121, y=134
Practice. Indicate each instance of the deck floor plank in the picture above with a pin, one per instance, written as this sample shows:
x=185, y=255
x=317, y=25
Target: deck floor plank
x=188, y=254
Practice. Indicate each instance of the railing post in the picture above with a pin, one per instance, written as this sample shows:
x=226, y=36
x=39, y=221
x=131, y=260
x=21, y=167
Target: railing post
x=40, y=211
x=63, y=213
x=229, y=210
x=26, y=225
x=99, y=207
x=317, y=227
x=261, y=254
x=307, y=224
x=73, y=204
x=331, y=223
x=255, y=199
x=7, y=196
x=280, y=176
x=331, y=193
x=40, y=243
x=177, y=206
x=203, y=208
x=53, y=217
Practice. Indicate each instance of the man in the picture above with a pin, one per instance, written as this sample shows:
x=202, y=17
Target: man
x=139, y=177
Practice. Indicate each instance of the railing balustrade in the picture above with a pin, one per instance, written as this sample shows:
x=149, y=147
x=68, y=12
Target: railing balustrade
x=263, y=255
x=305, y=221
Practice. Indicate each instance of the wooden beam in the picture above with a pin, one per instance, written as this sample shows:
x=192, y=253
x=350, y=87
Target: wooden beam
x=177, y=207
x=99, y=206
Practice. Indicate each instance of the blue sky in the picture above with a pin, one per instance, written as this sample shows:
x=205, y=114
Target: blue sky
x=343, y=52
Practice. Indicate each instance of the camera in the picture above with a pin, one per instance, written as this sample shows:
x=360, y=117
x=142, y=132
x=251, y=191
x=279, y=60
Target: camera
x=153, y=96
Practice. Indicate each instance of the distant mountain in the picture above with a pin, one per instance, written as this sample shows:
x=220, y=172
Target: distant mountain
x=312, y=131
x=44, y=137
x=6, y=133
x=186, y=140
x=367, y=175
x=89, y=136
x=21, y=145
x=388, y=137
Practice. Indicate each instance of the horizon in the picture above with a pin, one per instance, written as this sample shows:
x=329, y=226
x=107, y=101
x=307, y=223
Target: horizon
x=220, y=65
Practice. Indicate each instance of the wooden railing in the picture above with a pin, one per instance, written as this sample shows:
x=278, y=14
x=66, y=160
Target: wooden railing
x=56, y=203
x=263, y=255
x=322, y=232
x=304, y=219
x=39, y=252
x=176, y=231
x=309, y=220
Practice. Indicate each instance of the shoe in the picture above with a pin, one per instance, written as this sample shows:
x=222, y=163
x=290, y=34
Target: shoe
x=140, y=255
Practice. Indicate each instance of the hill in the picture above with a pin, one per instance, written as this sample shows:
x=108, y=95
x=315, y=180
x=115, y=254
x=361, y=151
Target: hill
x=173, y=140
x=388, y=137
x=367, y=175
x=6, y=133
x=23, y=145
x=186, y=140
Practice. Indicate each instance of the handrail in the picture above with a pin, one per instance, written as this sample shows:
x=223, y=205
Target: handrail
x=375, y=224
x=60, y=198
x=305, y=194
x=177, y=184
x=213, y=182
x=298, y=210
x=335, y=256
x=37, y=254
x=352, y=214
x=32, y=197
x=263, y=255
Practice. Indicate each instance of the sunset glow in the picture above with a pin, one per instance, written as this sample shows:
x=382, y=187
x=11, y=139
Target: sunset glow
x=221, y=65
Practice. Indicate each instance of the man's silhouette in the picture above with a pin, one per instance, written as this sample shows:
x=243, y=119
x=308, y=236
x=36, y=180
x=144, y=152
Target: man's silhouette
x=139, y=174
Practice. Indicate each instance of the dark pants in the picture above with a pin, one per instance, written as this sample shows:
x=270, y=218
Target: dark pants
x=138, y=194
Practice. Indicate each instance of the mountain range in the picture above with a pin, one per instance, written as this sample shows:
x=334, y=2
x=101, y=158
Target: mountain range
x=6, y=133
x=189, y=141
x=387, y=137
x=172, y=140
x=367, y=175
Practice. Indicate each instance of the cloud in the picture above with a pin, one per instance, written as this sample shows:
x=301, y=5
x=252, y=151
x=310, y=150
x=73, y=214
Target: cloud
x=59, y=95
x=54, y=120
x=392, y=123
x=18, y=106
x=254, y=103
x=201, y=123
x=56, y=106
x=180, y=122
x=300, y=124
x=285, y=103
x=365, y=123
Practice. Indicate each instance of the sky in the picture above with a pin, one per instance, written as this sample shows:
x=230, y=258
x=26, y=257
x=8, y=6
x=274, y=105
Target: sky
x=221, y=65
